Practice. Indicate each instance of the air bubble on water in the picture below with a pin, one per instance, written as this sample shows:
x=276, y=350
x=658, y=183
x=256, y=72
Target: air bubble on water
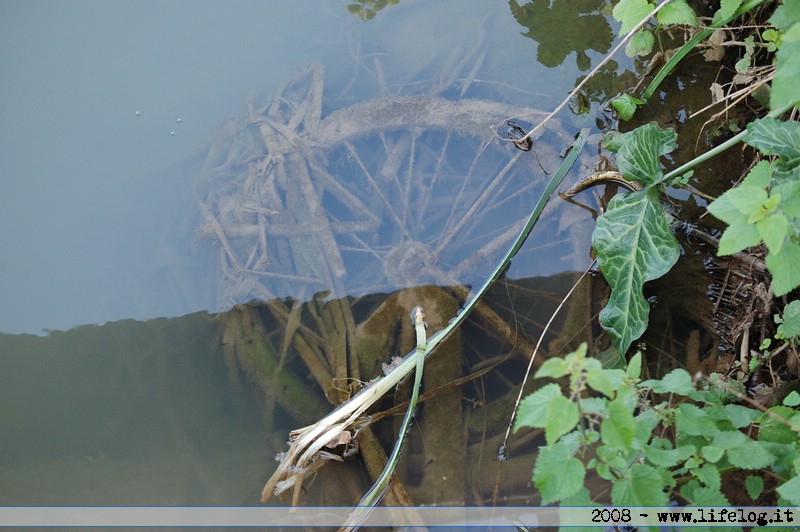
x=180, y=120
x=172, y=133
x=138, y=113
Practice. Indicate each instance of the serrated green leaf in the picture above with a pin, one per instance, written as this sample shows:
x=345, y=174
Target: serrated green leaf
x=729, y=439
x=634, y=245
x=754, y=486
x=557, y=474
x=599, y=381
x=712, y=453
x=738, y=203
x=738, y=236
x=790, y=491
x=705, y=496
x=641, y=487
x=775, y=137
x=774, y=430
x=726, y=9
x=750, y=455
x=787, y=71
x=618, y=428
x=638, y=157
x=630, y=12
x=552, y=367
x=693, y=421
x=790, y=194
x=625, y=105
x=677, y=12
x=740, y=416
x=533, y=409
x=668, y=457
x=634, y=369
x=785, y=268
x=759, y=176
x=773, y=230
x=708, y=474
x=561, y=417
x=676, y=381
x=790, y=327
x=785, y=15
x=640, y=44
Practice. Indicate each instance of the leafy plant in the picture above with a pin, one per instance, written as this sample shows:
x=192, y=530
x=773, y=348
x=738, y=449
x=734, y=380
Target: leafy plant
x=656, y=440
x=633, y=240
x=766, y=206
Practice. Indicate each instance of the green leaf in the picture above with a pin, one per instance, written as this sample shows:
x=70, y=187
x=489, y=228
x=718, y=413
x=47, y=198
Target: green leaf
x=561, y=417
x=759, y=176
x=790, y=327
x=712, y=453
x=754, y=486
x=557, y=474
x=552, y=367
x=597, y=379
x=634, y=245
x=533, y=409
x=738, y=203
x=738, y=236
x=785, y=15
x=730, y=439
x=676, y=381
x=668, y=457
x=642, y=486
x=773, y=230
x=793, y=399
x=634, y=369
x=677, y=12
x=693, y=421
x=790, y=491
x=705, y=496
x=785, y=268
x=630, y=12
x=618, y=428
x=740, y=416
x=750, y=455
x=775, y=137
x=787, y=71
x=625, y=105
x=726, y=9
x=774, y=430
x=638, y=157
x=640, y=44
x=708, y=474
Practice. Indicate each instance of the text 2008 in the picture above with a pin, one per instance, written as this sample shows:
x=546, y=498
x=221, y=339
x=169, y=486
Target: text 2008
x=603, y=515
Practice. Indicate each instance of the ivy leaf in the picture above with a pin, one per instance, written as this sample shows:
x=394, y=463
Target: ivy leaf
x=787, y=70
x=533, y=409
x=634, y=245
x=638, y=157
x=641, y=487
x=630, y=12
x=677, y=12
x=785, y=268
x=557, y=474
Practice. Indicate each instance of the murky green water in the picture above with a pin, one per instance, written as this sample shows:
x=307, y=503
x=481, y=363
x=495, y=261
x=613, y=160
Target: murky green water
x=185, y=411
